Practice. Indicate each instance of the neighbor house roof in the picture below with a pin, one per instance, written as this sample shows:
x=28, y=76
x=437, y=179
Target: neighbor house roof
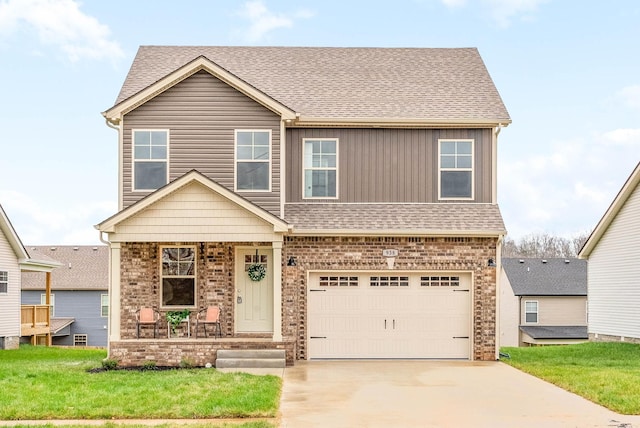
x=546, y=277
x=621, y=198
x=84, y=267
x=395, y=219
x=556, y=332
x=324, y=85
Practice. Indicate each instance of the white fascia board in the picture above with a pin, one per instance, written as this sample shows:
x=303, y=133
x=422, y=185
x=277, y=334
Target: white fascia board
x=382, y=122
x=33, y=265
x=115, y=113
x=397, y=232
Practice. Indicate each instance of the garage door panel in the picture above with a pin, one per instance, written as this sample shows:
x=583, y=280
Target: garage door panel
x=372, y=318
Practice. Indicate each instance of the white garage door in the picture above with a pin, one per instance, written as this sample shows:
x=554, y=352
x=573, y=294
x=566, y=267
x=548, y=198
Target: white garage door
x=383, y=315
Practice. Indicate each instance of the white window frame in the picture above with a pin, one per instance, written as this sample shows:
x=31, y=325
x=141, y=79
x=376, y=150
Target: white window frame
x=441, y=169
x=337, y=170
x=52, y=305
x=133, y=157
x=4, y=281
x=194, y=276
x=537, y=312
x=236, y=160
x=104, y=303
x=81, y=337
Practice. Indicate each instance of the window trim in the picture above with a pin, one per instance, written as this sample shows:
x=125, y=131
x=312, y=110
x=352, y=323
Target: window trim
x=195, y=278
x=52, y=305
x=133, y=157
x=4, y=282
x=236, y=160
x=472, y=169
x=537, y=312
x=337, y=169
x=102, y=305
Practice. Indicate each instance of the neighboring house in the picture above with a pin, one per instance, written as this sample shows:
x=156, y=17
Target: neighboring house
x=543, y=301
x=79, y=293
x=13, y=260
x=614, y=271
x=334, y=202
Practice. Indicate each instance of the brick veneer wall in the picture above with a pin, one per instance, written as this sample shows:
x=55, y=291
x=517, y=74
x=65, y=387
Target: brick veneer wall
x=415, y=253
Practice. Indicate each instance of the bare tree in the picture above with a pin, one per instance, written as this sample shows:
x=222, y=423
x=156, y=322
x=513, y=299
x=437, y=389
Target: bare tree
x=539, y=245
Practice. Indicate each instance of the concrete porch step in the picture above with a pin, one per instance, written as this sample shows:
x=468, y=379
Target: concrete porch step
x=251, y=358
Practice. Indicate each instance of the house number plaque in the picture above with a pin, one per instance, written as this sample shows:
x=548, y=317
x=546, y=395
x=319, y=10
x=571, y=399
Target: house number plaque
x=389, y=253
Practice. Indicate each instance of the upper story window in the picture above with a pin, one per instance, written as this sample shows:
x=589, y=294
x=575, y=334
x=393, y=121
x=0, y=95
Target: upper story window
x=531, y=311
x=320, y=168
x=456, y=169
x=178, y=274
x=253, y=160
x=4, y=281
x=104, y=305
x=150, y=159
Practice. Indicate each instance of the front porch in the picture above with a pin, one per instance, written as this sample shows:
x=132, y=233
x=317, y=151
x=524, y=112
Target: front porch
x=191, y=351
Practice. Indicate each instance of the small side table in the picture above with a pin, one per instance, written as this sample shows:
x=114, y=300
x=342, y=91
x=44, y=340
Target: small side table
x=186, y=320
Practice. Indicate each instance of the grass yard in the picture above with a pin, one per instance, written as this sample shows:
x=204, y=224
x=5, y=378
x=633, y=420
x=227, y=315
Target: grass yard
x=605, y=373
x=54, y=383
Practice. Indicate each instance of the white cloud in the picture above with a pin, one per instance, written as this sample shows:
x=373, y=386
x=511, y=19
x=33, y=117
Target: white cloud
x=623, y=136
x=40, y=223
x=262, y=20
x=503, y=11
x=631, y=96
x=567, y=189
x=62, y=24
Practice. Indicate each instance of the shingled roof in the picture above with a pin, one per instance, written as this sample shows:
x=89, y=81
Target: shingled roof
x=472, y=219
x=547, y=277
x=556, y=332
x=83, y=268
x=428, y=84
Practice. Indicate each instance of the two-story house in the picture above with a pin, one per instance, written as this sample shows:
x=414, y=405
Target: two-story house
x=333, y=202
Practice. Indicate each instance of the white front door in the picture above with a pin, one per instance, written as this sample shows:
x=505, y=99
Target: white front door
x=254, y=299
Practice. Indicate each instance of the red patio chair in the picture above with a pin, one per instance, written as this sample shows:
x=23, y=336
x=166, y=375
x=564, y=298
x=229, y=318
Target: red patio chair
x=147, y=317
x=209, y=316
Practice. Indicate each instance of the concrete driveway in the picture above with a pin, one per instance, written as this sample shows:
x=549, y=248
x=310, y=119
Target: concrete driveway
x=431, y=394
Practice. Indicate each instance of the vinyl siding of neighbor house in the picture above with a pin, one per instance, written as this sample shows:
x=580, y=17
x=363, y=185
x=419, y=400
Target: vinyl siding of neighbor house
x=614, y=275
x=202, y=114
x=82, y=305
x=509, y=313
x=557, y=310
x=193, y=213
x=9, y=302
x=389, y=165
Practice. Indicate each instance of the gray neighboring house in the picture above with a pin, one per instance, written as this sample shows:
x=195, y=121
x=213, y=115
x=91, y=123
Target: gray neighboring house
x=612, y=251
x=79, y=293
x=543, y=301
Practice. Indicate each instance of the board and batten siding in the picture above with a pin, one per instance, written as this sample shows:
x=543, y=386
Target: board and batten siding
x=388, y=165
x=614, y=275
x=557, y=310
x=201, y=114
x=10, y=301
x=194, y=213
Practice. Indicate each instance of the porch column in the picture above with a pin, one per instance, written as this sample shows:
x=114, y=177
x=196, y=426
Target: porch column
x=114, y=291
x=277, y=291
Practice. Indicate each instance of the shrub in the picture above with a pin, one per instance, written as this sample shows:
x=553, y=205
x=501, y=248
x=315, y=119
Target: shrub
x=187, y=363
x=109, y=364
x=149, y=365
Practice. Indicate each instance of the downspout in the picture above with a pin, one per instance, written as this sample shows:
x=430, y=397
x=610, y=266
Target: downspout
x=494, y=161
x=109, y=289
x=120, y=156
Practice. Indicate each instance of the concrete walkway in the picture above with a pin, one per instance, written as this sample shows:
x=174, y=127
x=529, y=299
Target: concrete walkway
x=431, y=394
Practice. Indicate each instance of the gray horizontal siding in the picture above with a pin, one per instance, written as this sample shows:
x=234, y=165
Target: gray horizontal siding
x=201, y=114
x=84, y=307
x=389, y=165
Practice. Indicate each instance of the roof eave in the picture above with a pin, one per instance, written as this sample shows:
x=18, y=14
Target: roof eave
x=398, y=232
x=399, y=122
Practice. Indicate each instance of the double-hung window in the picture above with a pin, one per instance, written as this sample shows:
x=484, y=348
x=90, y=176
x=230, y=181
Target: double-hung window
x=253, y=160
x=4, y=281
x=531, y=311
x=320, y=168
x=456, y=169
x=52, y=303
x=150, y=159
x=104, y=305
x=178, y=273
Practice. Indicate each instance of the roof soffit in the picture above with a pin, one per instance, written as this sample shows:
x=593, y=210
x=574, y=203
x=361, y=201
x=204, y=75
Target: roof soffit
x=115, y=113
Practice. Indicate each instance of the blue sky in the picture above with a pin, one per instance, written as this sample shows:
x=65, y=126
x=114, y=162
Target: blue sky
x=568, y=72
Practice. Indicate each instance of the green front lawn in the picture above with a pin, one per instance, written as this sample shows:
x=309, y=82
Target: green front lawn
x=54, y=383
x=605, y=373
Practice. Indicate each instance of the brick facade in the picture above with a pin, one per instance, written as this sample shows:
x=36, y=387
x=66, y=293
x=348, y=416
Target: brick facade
x=140, y=282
